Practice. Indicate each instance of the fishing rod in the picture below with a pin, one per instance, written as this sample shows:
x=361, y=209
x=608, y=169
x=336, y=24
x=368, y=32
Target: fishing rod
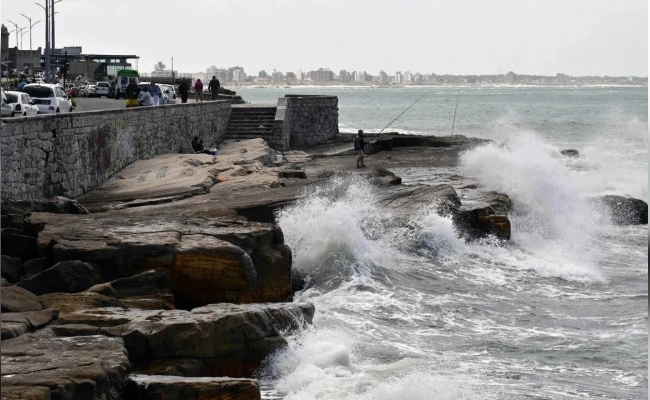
x=400, y=114
x=455, y=108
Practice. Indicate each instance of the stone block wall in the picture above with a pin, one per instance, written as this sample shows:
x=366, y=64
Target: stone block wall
x=69, y=154
x=309, y=120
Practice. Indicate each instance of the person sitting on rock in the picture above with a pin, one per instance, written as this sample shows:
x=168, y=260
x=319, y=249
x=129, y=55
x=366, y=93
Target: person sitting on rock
x=197, y=146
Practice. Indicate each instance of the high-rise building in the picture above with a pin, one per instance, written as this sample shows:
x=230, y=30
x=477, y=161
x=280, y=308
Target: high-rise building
x=345, y=76
x=238, y=74
x=321, y=75
x=383, y=78
x=398, y=77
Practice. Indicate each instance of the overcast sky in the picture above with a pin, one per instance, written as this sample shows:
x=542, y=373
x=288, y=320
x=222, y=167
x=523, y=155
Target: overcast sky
x=576, y=37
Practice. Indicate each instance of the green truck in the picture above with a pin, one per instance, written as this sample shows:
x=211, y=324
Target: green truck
x=124, y=76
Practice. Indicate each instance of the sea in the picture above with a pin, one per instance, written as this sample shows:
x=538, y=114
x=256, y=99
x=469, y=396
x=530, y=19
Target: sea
x=413, y=312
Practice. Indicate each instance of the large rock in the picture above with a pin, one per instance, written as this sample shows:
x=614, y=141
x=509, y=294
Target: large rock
x=155, y=281
x=12, y=268
x=230, y=340
x=403, y=199
x=210, y=259
x=145, y=387
x=15, y=324
x=624, y=210
x=91, y=367
x=57, y=205
x=70, y=302
x=66, y=276
x=16, y=299
x=486, y=215
x=15, y=242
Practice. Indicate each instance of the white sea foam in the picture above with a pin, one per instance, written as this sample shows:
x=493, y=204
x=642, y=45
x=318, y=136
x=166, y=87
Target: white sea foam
x=551, y=219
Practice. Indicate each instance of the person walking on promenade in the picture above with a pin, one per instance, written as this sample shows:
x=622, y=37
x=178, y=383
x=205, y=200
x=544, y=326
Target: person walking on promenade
x=184, y=90
x=156, y=94
x=132, y=91
x=198, y=88
x=214, y=87
x=359, y=146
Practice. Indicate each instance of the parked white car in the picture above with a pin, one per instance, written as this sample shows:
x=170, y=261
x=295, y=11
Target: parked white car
x=7, y=109
x=102, y=89
x=49, y=98
x=22, y=104
x=169, y=94
x=91, y=90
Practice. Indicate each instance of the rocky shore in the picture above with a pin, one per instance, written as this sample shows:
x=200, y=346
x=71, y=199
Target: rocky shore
x=172, y=280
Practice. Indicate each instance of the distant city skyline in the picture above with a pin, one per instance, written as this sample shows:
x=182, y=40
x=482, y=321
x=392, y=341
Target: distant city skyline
x=463, y=37
x=238, y=75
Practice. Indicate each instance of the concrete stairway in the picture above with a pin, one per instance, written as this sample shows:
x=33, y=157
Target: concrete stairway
x=251, y=121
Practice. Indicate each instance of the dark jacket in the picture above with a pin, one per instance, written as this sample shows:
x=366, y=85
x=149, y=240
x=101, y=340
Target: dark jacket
x=184, y=88
x=132, y=90
x=359, y=144
x=197, y=144
x=214, y=85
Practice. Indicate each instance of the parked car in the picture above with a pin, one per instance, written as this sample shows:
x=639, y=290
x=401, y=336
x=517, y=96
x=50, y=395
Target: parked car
x=102, y=89
x=7, y=109
x=169, y=94
x=73, y=91
x=49, y=98
x=22, y=104
x=82, y=91
x=90, y=91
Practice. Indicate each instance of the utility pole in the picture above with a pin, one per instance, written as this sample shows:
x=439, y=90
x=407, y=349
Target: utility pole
x=31, y=55
x=17, y=32
x=173, y=78
x=47, y=39
x=21, y=36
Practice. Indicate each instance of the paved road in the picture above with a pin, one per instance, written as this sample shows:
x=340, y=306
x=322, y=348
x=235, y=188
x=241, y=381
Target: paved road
x=96, y=104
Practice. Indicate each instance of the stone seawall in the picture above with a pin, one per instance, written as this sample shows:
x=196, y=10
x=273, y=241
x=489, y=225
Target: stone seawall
x=70, y=154
x=306, y=121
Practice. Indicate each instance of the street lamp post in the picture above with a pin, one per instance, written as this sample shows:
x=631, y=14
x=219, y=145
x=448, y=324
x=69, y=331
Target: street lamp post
x=47, y=38
x=31, y=54
x=21, y=37
x=17, y=30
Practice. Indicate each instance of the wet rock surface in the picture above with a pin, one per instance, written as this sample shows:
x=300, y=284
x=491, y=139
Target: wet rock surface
x=176, y=267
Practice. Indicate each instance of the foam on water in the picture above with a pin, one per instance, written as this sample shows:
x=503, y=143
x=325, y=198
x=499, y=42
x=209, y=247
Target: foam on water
x=414, y=311
x=551, y=218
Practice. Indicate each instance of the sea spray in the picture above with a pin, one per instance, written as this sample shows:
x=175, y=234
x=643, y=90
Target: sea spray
x=550, y=217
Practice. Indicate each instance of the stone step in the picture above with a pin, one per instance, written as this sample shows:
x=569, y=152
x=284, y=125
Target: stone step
x=249, y=136
x=240, y=119
x=249, y=126
x=251, y=110
x=250, y=133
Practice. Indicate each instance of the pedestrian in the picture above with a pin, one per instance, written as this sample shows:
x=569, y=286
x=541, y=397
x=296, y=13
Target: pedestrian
x=197, y=146
x=156, y=94
x=144, y=98
x=132, y=91
x=184, y=90
x=198, y=88
x=359, y=146
x=214, y=87
x=23, y=82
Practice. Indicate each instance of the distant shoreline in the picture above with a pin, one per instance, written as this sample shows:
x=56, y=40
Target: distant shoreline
x=467, y=86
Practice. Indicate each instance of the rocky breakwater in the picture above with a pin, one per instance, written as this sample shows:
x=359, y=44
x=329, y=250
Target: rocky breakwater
x=172, y=279
x=103, y=305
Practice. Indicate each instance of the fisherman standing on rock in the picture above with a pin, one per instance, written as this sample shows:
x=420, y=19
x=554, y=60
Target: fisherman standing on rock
x=359, y=146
